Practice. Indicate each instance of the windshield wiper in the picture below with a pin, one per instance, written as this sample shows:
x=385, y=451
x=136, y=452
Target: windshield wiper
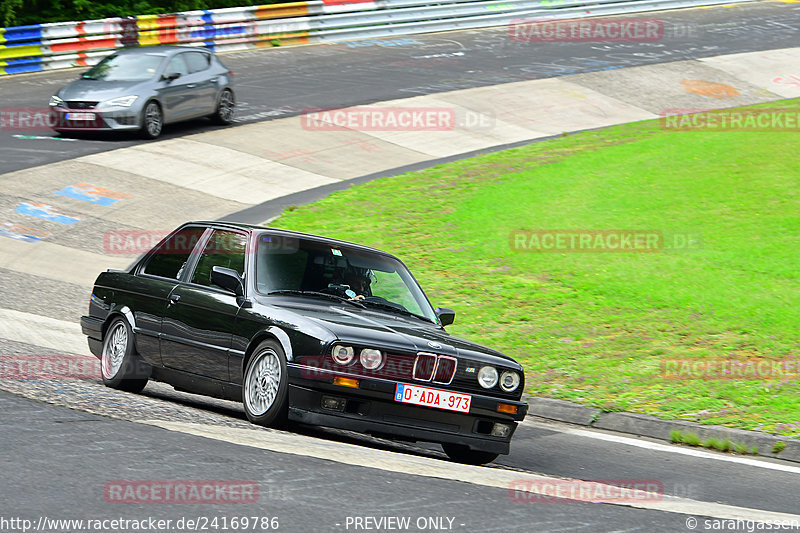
x=318, y=294
x=401, y=310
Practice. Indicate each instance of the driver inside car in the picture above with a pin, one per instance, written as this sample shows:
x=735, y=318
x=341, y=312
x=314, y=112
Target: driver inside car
x=359, y=285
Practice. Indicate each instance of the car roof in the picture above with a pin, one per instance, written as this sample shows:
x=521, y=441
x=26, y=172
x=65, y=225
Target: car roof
x=288, y=233
x=162, y=50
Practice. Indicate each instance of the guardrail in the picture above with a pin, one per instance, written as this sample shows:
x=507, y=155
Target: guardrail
x=73, y=44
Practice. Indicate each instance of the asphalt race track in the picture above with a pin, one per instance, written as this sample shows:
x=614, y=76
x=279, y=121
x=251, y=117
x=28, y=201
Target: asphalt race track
x=283, y=82
x=62, y=443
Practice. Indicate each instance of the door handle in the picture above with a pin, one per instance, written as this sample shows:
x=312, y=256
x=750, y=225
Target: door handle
x=192, y=85
x=213, y=80
x=174, y=298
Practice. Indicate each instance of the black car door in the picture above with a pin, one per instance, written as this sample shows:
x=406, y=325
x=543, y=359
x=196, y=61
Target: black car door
x=155, y=279
x=199, y=319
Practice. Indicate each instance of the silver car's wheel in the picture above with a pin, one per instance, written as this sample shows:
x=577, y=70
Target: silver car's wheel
x=265, y=385
x=120, y=367
x=153, y=120
x=226, y=107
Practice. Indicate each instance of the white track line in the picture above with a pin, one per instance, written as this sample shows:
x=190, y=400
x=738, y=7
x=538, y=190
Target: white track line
x=49, y=333
x=351, y=454
x=655, y=446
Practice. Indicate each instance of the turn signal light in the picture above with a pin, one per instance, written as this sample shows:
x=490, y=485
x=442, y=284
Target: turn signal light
x=345, y=382
x=507, y=408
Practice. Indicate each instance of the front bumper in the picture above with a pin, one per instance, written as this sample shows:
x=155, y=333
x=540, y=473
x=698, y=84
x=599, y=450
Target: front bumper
x=113, y=119
x=371, y=409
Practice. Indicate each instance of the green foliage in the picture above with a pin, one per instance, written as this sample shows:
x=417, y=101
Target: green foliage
x=20, y=13
x=779, y=446
x=602, y=329
x=691, y=439
x=676, y=436
x=741, y=448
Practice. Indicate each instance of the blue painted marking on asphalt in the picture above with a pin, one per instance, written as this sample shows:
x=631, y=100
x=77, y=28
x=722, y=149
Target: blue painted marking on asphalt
x=79, y=193
x=46, y=212
x=15, y=231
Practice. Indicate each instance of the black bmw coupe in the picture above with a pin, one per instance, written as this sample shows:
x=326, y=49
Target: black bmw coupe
x=304, y=328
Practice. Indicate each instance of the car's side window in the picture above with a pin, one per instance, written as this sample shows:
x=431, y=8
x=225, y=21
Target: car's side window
x=198, y=61
x=171, y=257
x=224, y=248
x=177, y=64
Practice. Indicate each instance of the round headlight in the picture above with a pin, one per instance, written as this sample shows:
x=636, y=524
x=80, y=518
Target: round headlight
x=487, y=377
x=509, y=381
x=371, y=359
x=343, y=354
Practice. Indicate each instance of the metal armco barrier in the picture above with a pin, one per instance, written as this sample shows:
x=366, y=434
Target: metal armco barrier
x=72, y=44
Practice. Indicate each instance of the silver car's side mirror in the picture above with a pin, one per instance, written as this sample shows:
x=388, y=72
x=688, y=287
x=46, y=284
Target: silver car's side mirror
x=172, y=76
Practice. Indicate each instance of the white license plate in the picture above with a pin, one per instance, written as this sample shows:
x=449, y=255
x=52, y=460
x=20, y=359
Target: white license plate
x=440, y=399
x=80, y=116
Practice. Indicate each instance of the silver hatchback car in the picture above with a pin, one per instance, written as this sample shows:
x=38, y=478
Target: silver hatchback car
x=143, y=89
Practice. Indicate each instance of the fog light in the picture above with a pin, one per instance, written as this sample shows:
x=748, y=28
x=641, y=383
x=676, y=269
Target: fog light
x=371, y=359
x=507, y=408
x=334, y=404
x=501, y=430
x=345, y=382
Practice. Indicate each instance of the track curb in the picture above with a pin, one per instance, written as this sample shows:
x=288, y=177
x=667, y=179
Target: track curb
x=657, y=428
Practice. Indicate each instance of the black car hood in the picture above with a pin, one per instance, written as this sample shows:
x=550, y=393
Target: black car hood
x=98, y=90
x=373, y=327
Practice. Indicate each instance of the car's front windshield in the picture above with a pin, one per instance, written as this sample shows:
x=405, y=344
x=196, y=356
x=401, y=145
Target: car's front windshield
x=299, y=265
x=126, y=67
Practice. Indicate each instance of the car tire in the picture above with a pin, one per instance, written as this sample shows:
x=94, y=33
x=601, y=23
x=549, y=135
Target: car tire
x=120, y=367
x=226, y=108
x=152, y=120
x=463, y=454
x=265, y=386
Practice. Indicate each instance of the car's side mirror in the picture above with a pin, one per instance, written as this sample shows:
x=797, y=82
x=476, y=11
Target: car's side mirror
x=446, y=316
x=172, y=76
x=228, y=279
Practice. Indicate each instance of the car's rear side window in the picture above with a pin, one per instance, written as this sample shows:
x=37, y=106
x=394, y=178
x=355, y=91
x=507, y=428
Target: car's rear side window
x=171, y=257
x=197, y=61
x=225, y=249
